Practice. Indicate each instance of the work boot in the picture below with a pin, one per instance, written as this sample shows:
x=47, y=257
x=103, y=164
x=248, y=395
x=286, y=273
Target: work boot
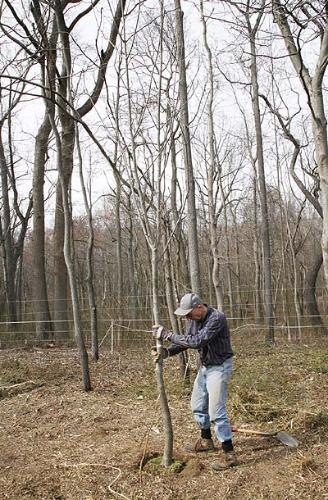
x=229, y=459
x=200, y=445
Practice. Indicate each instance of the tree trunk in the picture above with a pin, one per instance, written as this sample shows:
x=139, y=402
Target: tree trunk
x=240, y=312
x=152, y=231
x=265, y=232
x=190, y=182
x=214, y=243
x=310, y=299
x=182, y=270
x=256, y=252
x=295, y=280
x=42, y=316
x=167, y=422
x=89, y=259
x=60, y=312
x=44, y=327
x=12, y=237
x=67, y=122
x=8, y=244
x=171, y=305
x=314, y=92
x=133, y=302
x=69, y=259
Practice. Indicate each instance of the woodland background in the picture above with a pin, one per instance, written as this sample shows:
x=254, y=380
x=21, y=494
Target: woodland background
x=150, y=148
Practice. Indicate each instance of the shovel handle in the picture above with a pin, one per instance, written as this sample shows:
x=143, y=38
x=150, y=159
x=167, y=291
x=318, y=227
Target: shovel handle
x=252, y=431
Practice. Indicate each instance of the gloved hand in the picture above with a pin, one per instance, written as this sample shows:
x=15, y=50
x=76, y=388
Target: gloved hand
x=157, y=356
x=161, y=333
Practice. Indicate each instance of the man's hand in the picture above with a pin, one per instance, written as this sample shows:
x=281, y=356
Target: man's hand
x=157, y=356
x=161, y=333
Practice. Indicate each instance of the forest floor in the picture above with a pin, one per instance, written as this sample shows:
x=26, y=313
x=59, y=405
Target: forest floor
x=59, y=442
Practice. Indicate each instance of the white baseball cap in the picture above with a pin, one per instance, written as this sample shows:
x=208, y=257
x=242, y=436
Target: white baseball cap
x=187, y=303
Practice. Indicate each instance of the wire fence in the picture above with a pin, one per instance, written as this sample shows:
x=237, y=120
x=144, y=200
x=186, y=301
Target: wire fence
x=136, y=332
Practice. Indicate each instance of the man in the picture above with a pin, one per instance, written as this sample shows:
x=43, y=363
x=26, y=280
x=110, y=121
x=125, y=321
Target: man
x=207, y=332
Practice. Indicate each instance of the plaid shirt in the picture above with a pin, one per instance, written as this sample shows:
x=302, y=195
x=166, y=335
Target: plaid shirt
x=210, y=336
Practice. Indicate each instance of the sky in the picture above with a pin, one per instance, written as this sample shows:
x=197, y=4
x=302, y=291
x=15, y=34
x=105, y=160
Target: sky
x=221, y=37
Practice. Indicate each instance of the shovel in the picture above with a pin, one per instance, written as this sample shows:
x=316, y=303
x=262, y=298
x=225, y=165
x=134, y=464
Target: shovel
x=282, y=436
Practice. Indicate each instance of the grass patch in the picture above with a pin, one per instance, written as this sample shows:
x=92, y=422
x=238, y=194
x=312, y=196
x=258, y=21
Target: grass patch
x=317, y=421
x=176, y=465
x=37, y=366
x=320, y=363
x=274, y=386
x=13, y=372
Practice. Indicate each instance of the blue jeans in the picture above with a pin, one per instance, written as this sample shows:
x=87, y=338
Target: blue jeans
x=209, y=397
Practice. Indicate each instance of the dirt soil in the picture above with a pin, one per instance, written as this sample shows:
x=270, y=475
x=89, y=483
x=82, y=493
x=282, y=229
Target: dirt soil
x=58, y=442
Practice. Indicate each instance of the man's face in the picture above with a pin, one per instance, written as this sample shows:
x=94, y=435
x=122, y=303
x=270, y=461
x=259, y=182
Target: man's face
x=196, y=313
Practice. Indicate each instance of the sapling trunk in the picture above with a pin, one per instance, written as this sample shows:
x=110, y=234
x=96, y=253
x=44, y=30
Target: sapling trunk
x=157, y=236
x=151, y=227
x=167, y=422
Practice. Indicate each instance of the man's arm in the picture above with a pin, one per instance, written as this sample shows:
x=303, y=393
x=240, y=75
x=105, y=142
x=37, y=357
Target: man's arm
x=213, y=327
x=175, y=349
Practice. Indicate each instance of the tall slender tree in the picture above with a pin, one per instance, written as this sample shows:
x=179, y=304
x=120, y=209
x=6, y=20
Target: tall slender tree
x=193, y=251
x=308, y=20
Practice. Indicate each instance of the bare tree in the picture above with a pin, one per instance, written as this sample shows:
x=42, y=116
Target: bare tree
x=89, y=256
x=222, y=167
x=13, y=222
x=314, y=18
x=265, y=231
x=44, y=327
x=312, y=272
x=148, y=201
x=67, y=116
x=186, y=141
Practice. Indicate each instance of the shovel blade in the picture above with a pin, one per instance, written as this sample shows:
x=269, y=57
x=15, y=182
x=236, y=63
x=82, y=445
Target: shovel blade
x=286, y=439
